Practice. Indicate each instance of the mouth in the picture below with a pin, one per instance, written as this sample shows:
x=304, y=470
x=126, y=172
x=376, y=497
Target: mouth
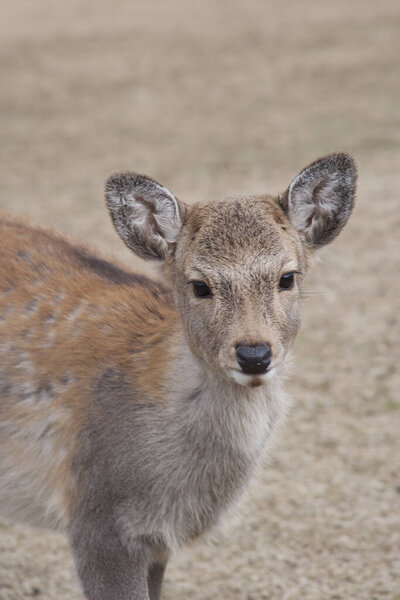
x=252, y=379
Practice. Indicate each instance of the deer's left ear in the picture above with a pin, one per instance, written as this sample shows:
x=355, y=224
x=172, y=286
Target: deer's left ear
x=319, y=200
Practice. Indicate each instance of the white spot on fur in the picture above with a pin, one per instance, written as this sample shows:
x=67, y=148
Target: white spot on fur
x=26, y=393
x=49, y=339
x=248, y=380
x=60, y=296
x=37, y=281
x=75, y=312
x=25, y=363
x=7, y=348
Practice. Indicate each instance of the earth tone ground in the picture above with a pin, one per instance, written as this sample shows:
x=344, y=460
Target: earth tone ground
x=215, y=98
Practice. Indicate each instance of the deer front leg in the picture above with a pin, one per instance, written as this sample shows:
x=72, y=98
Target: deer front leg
x=154, y=579
x=106, y=569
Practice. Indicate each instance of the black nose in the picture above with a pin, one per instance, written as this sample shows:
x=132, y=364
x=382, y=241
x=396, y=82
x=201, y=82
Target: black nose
x=254, y=359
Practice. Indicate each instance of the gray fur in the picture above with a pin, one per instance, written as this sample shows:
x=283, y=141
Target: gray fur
x=146, y=478
x=154, y=580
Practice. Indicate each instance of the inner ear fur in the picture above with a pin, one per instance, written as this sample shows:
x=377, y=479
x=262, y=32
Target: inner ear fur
x=320, y=199
x=146, y=215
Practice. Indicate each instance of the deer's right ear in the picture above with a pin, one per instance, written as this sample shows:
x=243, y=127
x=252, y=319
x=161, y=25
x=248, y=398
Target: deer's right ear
x=146, y=215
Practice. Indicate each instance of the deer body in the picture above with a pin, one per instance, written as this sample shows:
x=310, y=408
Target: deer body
x=133, y=413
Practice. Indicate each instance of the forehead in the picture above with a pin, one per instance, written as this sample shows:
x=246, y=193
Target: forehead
x=240, y=231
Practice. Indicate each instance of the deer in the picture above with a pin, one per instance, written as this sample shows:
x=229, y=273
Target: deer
x=134, y=410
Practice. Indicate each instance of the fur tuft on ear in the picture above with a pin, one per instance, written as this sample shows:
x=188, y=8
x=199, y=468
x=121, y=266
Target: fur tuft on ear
x=320, y=199
x=145, y=214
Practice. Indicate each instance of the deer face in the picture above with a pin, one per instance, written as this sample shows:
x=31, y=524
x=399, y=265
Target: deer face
x=237, y=266
x=237, y=274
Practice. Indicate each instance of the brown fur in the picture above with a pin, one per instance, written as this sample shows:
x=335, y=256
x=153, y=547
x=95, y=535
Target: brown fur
x=66, y=313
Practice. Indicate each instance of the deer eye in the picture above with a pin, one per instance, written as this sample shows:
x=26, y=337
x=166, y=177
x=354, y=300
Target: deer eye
x=286, y=282
x=201, y=289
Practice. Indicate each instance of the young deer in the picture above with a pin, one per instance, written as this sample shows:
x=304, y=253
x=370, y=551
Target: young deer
x=131, y=412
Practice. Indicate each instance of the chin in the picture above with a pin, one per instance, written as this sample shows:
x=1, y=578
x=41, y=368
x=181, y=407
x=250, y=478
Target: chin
x=252, y=381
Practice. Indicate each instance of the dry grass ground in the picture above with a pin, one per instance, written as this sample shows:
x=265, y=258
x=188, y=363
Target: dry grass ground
x=214, y=98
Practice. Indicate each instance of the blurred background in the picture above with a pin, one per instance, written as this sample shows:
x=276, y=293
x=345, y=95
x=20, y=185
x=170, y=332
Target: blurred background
x=216, y=98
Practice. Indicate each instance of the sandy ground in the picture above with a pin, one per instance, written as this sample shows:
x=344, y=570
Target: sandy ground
x=215, y=98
